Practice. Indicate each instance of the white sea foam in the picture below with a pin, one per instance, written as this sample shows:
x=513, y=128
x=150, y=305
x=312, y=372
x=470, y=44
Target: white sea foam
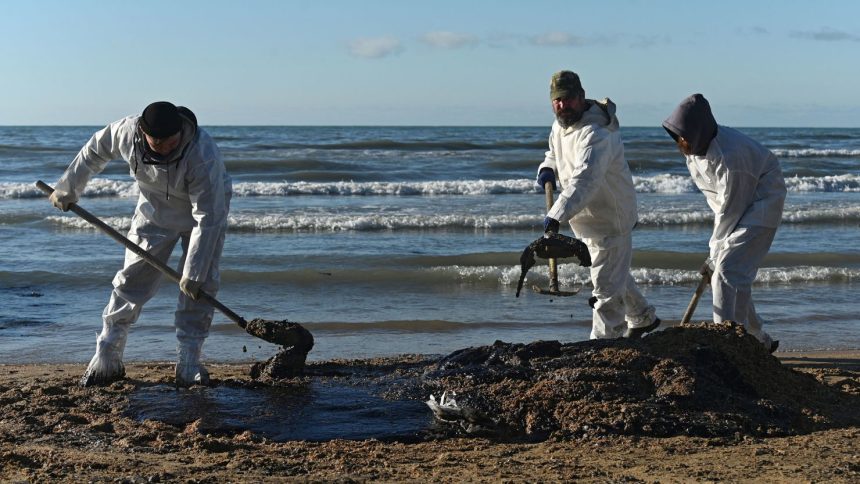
x=812, y=153
x=444, y=187
x=337, y=223
x=835, y=183
x=674, y=216
x=322, y=222
x=573, y=275
x=657, y=184
x=768, y=275
x=664, y=183
x=98, y=187
x=19, y=190
x=121, y=224
x=830, y=214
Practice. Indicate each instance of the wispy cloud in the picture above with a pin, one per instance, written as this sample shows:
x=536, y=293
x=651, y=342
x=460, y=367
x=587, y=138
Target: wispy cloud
x=754, y=30
x=646, y=41
x=559, y=39
x=448, y=40
x=564, y=39
x=826, y=34
x=375, y=48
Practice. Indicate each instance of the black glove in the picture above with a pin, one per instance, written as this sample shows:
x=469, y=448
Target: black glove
x=544, y=175
x=550, y=225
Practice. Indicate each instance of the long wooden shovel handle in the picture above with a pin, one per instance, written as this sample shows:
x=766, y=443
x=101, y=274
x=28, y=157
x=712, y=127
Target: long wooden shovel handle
x=553, y=265
x=164, y=269
x=688, y=314
x=547, y=189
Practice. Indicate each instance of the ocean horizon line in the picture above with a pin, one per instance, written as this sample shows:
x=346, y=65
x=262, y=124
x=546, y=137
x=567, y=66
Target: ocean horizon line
x=401, y=126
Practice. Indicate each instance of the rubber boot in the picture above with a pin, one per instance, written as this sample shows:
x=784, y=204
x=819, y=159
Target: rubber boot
x=638, y=329
x=636, y=333
x=189, y=371
x=106, y=366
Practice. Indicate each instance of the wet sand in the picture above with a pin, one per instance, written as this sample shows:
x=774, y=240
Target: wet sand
x=53, y=430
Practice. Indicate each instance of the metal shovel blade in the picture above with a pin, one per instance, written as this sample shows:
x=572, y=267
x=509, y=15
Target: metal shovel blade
x=555, y=292
x=552, y=246
x=282, y=333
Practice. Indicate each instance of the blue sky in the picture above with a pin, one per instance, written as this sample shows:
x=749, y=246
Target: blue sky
x=463, y=62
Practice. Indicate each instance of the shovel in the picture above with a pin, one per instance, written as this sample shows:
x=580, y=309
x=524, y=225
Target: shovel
x=691, y=308
x=705, y=282
x=281, y=333
x=553, y=264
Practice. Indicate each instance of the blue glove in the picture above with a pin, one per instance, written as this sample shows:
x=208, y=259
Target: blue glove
x=550, y=225
x=544, y=175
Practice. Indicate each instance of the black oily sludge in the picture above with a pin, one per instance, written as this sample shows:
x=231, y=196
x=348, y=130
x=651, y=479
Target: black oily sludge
x=700, y=380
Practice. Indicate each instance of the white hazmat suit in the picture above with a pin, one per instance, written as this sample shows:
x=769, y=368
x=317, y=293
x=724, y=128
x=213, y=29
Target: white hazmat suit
x=598, y=199
x=743, y=184
x=185, y=199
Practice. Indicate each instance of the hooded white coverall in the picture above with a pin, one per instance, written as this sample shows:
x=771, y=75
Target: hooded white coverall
x=598, y=199
x=743, y=184
x=186, y=199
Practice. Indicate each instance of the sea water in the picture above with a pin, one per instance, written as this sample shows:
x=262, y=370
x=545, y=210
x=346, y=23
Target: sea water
x=389, y=240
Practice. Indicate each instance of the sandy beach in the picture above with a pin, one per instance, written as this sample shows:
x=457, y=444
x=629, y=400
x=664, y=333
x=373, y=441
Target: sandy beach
x=53, y=430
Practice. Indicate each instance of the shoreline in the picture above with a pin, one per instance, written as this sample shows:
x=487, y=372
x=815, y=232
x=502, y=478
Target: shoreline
x=51, y=429
x=782, y=355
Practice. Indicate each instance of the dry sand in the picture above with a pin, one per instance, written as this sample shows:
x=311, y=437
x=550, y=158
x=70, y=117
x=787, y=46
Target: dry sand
x=53, y=430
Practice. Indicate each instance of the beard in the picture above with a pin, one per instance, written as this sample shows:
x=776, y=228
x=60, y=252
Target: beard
x=568, y=117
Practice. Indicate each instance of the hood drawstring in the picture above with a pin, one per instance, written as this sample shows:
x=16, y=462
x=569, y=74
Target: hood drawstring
x=138, y=150
x=167, y=191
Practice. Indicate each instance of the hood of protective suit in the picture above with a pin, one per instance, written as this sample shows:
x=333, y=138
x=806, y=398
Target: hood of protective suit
x=597, y=193
x=693, y=121
x=191, y=194
x=601, y=113
x=189, y=132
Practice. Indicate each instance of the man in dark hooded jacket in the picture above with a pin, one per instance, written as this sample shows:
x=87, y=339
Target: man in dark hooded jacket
x=743, y=184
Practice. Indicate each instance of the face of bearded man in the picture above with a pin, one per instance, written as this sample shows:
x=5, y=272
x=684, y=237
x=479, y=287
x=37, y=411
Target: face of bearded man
x=569, y=110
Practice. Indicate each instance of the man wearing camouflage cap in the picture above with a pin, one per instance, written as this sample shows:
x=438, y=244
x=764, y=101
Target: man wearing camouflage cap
x=586, y=157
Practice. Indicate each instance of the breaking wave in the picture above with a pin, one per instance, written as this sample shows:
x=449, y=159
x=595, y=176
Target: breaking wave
x=660, y=184
x=814, y=153
x=571, y=275
x=316, y=222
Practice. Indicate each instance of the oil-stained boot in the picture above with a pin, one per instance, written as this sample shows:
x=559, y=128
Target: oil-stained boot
x=106, y=365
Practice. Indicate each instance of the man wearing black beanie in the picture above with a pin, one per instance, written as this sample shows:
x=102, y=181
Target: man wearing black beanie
x=184, y=195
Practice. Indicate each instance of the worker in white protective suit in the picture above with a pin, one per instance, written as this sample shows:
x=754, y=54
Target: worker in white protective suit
x=586, y=156
x=743, y=184
x=185, y=195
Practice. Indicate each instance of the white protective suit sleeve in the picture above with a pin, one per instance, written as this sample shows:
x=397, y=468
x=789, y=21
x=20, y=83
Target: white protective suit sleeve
x=586, y=177
x=91, y=160
x=209, y=207
x=735, y=192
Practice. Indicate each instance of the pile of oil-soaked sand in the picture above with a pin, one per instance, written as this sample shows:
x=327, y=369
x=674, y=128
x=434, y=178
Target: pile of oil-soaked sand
x=701, y=380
